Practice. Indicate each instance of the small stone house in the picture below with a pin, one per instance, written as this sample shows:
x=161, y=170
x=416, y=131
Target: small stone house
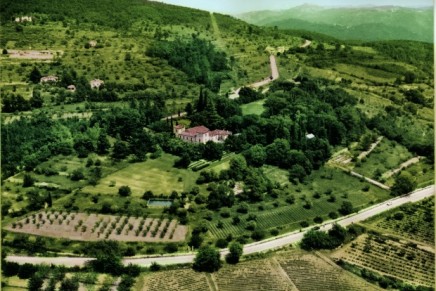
x=71, y=88
x=49, y=79
x=96, y=83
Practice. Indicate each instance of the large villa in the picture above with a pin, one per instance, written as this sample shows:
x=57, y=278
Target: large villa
x=200, y=134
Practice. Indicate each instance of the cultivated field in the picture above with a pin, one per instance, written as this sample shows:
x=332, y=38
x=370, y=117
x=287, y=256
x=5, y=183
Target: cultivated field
x=174, y=280
x=413, y=221
x=312, y=272
x=253, y=275
x=397, y=259
x=287, y=271
x=92, y=227
x=323, y=195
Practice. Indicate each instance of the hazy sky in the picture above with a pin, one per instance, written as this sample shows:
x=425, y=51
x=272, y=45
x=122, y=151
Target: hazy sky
x=238, y=6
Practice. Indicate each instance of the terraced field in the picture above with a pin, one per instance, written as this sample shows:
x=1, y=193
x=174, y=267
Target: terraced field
x=399, y=260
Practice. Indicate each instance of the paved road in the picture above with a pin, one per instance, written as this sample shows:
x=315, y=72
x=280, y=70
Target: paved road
x=256, y=247
x=266, y=81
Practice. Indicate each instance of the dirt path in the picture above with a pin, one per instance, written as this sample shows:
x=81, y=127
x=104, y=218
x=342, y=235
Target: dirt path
x=371, y=148
x=217, y=32
x=374, y=182
x=404, y=165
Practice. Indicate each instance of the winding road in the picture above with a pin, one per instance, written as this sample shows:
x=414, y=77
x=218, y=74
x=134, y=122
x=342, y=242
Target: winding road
x=261, y=246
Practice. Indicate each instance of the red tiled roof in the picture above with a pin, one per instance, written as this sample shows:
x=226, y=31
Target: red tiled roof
x=179, y=126
x=219, y=132
x=198, y=129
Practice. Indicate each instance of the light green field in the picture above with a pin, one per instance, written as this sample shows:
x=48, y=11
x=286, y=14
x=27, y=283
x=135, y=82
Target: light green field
x=15, y=283
x=388, y=155
x=422, y=171
x=156, y=175
x=255, y=107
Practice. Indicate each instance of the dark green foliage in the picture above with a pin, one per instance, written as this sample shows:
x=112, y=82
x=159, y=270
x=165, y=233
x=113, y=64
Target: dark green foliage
x=35, y=75
x=71, y=284
x=155, y=267
x=197, y=58
x=103, y=144
x=108, y=257
x=235, y=253
x=346, y=208
x=207, y=260
x=404, y=183
x=26, y=271
x=247, y=95
x=124, y=191
x=35, y=282
x=126, y=283
x=315, y=240
x=28, y=180
x=221, y=196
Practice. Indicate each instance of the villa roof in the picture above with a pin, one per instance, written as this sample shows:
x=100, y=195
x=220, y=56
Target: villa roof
x=198, y=129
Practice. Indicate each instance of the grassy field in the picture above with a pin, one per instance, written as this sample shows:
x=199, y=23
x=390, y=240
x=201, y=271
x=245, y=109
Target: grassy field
x=253, y=108
x=276, y=213
x=388, y=155
x=156, y=175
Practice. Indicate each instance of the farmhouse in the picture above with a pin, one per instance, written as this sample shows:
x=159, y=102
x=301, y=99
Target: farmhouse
x=48, y=79
x=310, y=136
x=96, y=83
x=23, y=19
x=71, y=88
x=200, y=134
x=92, y=43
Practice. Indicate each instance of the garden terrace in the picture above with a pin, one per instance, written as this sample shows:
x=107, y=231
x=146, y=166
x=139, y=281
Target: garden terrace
x=92, y=227
x=397, y=259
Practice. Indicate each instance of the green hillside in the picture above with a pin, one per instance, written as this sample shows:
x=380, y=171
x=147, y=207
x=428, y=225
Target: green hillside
x=377, y=23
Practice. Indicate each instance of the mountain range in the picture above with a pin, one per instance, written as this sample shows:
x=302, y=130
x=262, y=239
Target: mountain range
x=352, y=23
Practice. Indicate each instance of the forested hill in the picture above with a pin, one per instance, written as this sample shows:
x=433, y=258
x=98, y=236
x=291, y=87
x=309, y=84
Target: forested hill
x=370, y=23
x=115, y=14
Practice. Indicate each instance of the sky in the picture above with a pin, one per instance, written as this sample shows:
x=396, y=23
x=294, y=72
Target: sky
x=240, y=6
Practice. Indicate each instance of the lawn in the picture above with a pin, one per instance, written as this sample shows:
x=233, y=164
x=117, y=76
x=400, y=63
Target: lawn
x=422, y=171
x=156, y=175
x=388, y=155
x=255, y=107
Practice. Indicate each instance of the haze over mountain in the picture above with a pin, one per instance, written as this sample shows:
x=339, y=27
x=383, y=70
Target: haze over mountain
x=352, y=23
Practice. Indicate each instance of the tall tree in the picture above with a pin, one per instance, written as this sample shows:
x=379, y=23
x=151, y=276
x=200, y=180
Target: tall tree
x=207, y=260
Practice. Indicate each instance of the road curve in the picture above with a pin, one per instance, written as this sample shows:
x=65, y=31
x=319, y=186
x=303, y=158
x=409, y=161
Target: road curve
x=265, y=245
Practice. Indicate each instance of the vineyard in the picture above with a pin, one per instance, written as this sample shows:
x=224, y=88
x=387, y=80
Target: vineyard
x=404, y=261
x=310, y=272
x=412, y=221
x=252, y=275
x=286, y=270
x=177, y=280
x=91, y=227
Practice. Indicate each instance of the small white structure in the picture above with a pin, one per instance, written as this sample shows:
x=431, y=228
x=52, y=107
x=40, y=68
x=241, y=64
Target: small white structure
x=200, y=134
x=92, y=43
x=96, y=83
x=310, y=136
x=23, y=19
x=71, y=88
x=49, y=79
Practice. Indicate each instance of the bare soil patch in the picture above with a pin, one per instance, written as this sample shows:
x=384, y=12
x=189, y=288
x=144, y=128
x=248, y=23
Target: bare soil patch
x=92, y=227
